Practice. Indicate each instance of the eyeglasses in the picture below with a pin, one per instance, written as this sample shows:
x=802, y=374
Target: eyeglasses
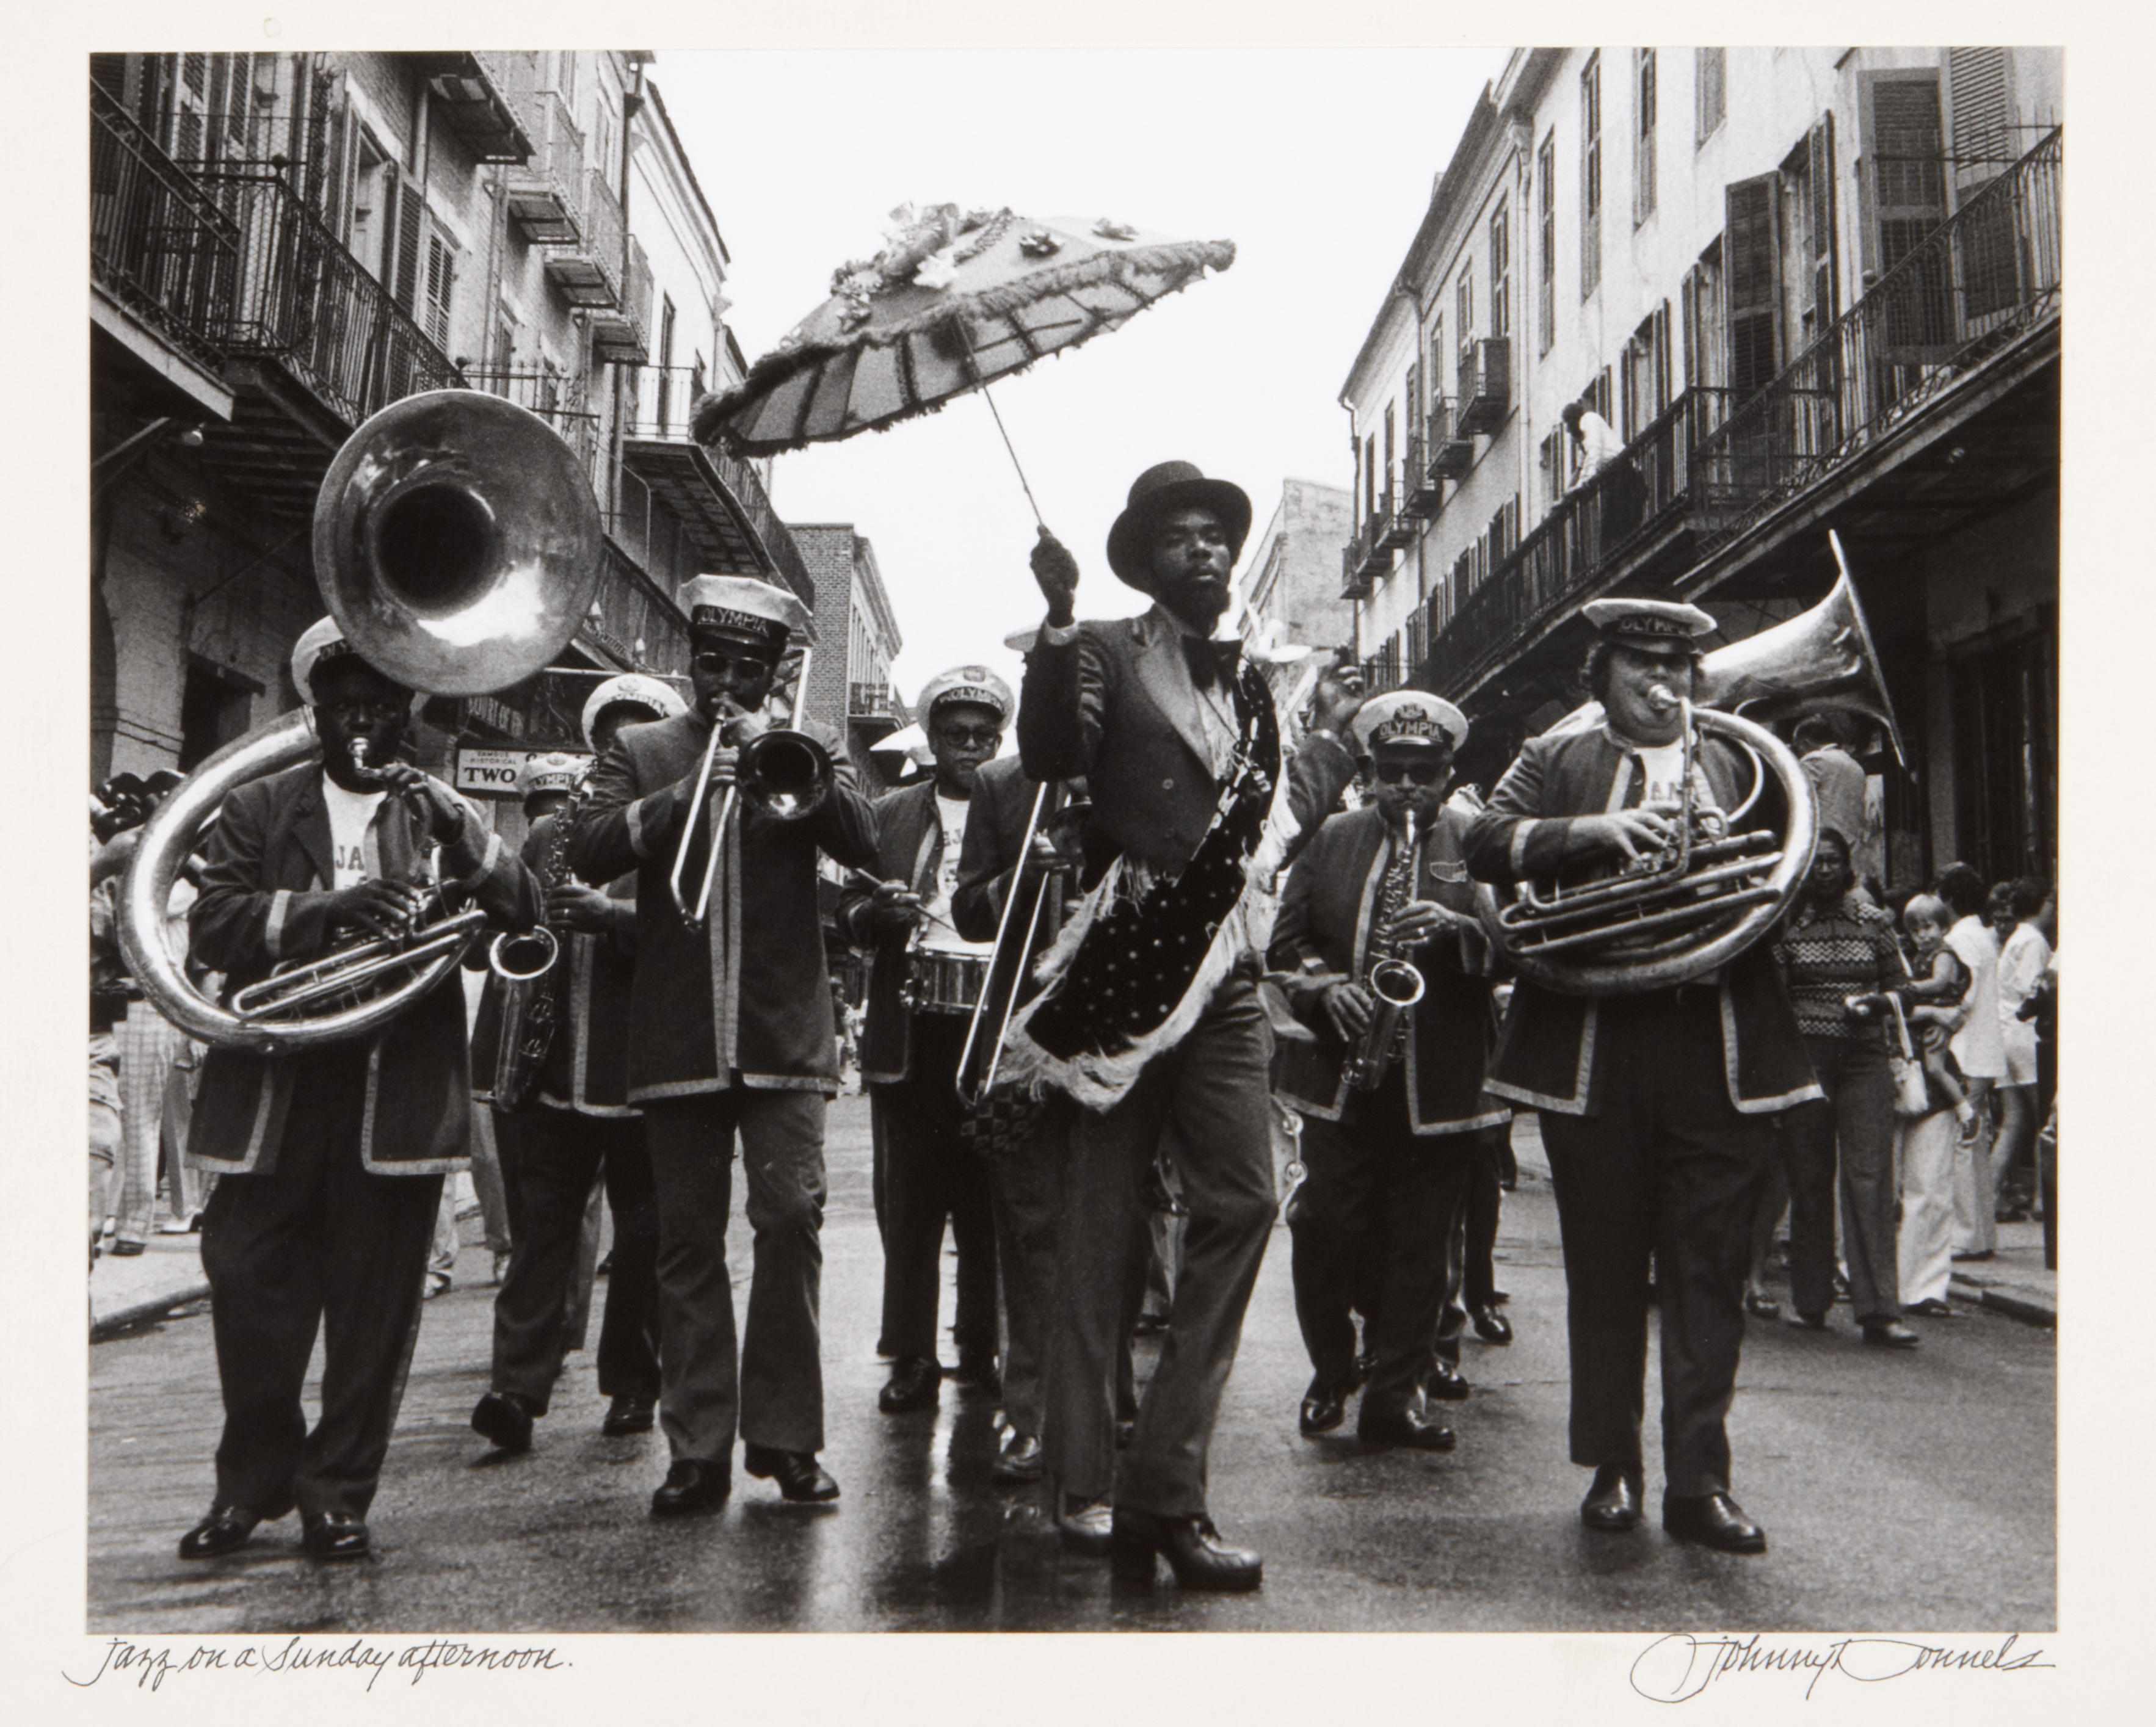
x=1422, y=773
x=969, y=737
x=365, y=710
x=712, y=662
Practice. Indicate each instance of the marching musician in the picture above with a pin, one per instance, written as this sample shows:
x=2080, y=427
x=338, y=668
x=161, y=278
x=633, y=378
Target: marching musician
x=332, y=1156
x=1026, y=1136
x=914, y=1033
x=730, y=1036
x=1389, y=1164
x=1149, y=1015
x=578, y=1125
x=1657, y=1109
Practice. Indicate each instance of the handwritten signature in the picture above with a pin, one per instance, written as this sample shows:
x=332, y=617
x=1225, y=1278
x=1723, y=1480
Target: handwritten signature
x=1678, y=1667
x=150, y=1665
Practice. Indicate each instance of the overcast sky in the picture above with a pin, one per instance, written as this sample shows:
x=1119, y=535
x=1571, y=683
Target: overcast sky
x=1309, y=160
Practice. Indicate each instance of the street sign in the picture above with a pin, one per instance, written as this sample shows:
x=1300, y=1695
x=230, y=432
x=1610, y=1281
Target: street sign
x=492, y=773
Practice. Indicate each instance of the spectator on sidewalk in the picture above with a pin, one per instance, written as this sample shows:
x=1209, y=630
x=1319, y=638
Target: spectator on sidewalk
x=1926, y=1151
x=2022, y=963
x=1980, y=1052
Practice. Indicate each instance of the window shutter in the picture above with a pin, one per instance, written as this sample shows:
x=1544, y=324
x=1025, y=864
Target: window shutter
x=1826, y=277
x=1590, y=178
x=1712, y=91
x=1905, y=145
x=239, y=106
x=334, y=198
x=411, y=208
x=1753, y=276
x=1665, y=391
x=441, y=278
x=1980, y=105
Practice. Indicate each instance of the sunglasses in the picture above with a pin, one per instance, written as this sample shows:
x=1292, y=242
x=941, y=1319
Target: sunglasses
x=970, y=737
x=712, y=662
x=1420, y=773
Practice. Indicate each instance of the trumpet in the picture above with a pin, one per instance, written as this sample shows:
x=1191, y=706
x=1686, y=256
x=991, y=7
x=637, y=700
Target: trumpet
x=784, y=772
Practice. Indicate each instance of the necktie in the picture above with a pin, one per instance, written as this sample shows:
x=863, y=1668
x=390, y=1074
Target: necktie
x=1211, y=661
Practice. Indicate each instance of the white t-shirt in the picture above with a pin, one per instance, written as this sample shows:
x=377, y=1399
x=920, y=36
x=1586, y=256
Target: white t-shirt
x=1977, y=1045
x=1664, y=766
x=352, y=844
x=940, y=932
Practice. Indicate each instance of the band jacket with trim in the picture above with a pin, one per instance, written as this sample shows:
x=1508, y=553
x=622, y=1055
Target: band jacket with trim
x=746, y=1000
x=1116, y=705
x=1327, y=915
x=909, y=829
x=587, y=1066
x=1546, y=1052
x=265, y=898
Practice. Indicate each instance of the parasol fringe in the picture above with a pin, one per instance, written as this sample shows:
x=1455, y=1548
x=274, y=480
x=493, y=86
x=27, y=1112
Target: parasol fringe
x=1187, y=259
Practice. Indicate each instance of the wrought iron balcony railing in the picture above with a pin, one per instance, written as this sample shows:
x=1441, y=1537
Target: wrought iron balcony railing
x=552, y=397
x=1986, y=277
x=588, y=269
x=1639, y=495
x=159, y=245
x=871, y=701
x=547, y=194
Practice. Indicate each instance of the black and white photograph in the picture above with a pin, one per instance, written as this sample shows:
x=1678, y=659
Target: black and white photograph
x=1220, y=833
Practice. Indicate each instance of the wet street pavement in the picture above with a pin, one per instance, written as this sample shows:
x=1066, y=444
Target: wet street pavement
x=1908, y=1491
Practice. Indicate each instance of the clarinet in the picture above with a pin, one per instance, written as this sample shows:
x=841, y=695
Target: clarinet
x=533, y=983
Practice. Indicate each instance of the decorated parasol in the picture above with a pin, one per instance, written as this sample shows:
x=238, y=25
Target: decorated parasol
x=954, y=299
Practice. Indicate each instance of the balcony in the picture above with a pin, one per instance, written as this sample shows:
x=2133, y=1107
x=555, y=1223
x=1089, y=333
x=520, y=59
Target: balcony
x=1908, y=355
x=1450, y=452
x=1369, y=556
x=546, y=194
x=717, y=498
x=549, y=396
x=1422, y=493
x=1637, y=509
x=160, y=247
x=587, y=270
x=870, y=701
x=484, y=98
x=1486, y=384
x=621, y=333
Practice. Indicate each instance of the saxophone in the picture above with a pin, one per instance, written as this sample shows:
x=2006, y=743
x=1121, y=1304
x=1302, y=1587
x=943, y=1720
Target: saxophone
x=526, y=964
x=1397, y=985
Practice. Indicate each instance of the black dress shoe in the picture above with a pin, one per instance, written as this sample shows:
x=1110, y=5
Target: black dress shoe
x=1408, y=1429
x=224, y=1529
x=1445, y=1383
x=1891, y=1334
x=1324, y=1407
x=911, y=1386
x=692, y=1488
x=1612, y=1504
x=627, y=1414
x=504, y=1420
x=1150, y=1325
x=1366, y=1364
x=1127, y=1430
x=1191, y=1545
x=1490, y=1326
x=977, y=1372
x=800, y=1477
x=1713, y=1520
x=1020, y=1461
x=336, y=1535
x=1085, y=1526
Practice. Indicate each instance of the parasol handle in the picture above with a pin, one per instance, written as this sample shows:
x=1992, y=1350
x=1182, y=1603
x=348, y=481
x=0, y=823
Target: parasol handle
x=980, y=378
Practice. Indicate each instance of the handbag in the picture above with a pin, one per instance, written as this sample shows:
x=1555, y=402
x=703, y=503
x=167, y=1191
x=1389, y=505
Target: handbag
x=1913, y=1091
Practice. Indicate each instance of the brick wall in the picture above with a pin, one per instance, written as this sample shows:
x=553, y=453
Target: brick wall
x=827, y=550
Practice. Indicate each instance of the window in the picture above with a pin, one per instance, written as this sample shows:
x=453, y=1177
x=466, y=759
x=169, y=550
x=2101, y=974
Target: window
x=697, y=387
x=1413, y=397
x=606, y=154
x=1904, y=145
x=1753, y=236
x=1500, y=272
x=1590, y=177
x=373, y=207
x=1550, y=459
x=1369, y=477
x=1389, y=461
x=503, y=358
x=1979, y=101
x=1434, y=371
x=441, y=285
x=1710, y=92
x=1546, y=261
x=1706, y=328
x=1643, y=162
x=665, y=362
x=1463, y=303
x=565, y=79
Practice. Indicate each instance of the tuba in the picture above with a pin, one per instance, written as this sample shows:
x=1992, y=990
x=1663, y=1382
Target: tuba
x=1714, y=891
x=457, y=544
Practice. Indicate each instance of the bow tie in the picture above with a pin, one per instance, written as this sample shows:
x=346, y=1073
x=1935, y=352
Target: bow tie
x=1211, y=661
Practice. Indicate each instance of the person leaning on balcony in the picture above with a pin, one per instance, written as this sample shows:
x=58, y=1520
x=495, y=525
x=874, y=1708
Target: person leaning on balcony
x=1595, y=446
x=1657, y=1109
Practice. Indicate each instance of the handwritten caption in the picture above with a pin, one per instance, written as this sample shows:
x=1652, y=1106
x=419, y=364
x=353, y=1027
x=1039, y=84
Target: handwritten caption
x=147, y=1666
x=1677, y=1668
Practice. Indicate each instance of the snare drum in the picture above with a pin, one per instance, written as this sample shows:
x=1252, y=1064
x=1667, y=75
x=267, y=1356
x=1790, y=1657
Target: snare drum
x=938, y=982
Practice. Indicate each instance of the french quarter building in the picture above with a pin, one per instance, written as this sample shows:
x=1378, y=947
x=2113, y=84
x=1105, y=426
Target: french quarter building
x=1807, y=289
x=282, y=244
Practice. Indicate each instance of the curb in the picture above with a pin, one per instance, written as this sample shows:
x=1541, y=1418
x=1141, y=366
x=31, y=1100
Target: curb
x=2029, y=1309
x=155, y=1307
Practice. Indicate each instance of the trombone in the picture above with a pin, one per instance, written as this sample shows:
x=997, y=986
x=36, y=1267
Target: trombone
x=784, y=772
x=1010, y=962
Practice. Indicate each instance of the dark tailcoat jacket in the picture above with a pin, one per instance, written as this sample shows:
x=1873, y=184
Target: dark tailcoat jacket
x=1546, y=1052
x=587, y=1066
x=1327, y=915
x=1116, y=705
x=746, y=1000
x=265, y=896
x=909, y=839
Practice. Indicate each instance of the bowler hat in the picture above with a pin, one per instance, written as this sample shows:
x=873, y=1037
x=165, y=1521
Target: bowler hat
x=1164, y=487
